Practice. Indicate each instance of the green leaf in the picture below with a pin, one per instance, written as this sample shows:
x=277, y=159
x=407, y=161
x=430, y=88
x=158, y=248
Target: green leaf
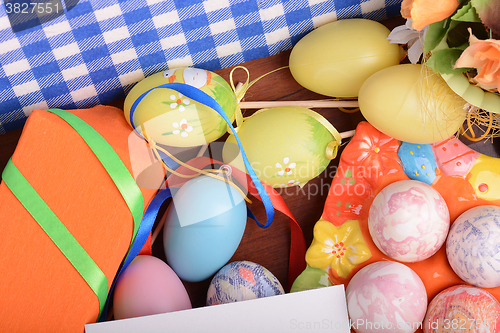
x=436, y=33
x=466, y=13
x=442, y=61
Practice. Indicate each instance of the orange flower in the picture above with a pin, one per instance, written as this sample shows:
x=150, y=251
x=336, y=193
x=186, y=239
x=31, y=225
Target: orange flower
x=485, y=56
x=425, y=12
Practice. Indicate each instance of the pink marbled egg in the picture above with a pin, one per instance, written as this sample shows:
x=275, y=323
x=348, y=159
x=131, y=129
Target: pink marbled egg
x=409, y=220
x=386, y=297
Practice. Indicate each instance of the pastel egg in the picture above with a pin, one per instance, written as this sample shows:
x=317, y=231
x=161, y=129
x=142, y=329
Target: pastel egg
x=454, y=158
x=240, y=281
x=408, y=220
x=412, y=104
x=286, y=146
x=386, y=296
x=418, y=161
x=463, y=308
x=203, y=227
x=148, y=286
x=472, y=247
x=170, y=118
x=336, y=58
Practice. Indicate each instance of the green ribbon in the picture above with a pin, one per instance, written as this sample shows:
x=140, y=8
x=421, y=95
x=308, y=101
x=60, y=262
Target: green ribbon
x=51, y=224
x=112, y=163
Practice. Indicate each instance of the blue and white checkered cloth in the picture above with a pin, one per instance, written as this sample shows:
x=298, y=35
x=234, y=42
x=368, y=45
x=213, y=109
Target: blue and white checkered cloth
x=77, y=54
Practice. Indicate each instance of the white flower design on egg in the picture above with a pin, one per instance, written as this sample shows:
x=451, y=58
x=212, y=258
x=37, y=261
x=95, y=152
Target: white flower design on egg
x=287, y=168
x=290, y=183
x=183, y=128
x=179, y=101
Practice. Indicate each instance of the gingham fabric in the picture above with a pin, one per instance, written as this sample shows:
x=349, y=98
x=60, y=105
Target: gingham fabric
x=90, y=52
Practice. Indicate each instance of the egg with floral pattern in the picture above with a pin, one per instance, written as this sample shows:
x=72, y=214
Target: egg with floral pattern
x=286, y=146
x=386, y=296
x=240, y=281
x=472, y=247
x=157, y=110
x=409, y=220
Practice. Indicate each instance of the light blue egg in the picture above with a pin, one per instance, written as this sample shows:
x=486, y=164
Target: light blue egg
x=203, y=227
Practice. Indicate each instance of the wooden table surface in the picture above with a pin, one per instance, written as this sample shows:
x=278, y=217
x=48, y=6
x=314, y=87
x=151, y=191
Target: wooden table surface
x=268, y=247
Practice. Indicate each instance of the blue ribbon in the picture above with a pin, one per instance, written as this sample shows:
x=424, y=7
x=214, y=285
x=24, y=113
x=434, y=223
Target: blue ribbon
x=203, y=98
x=143, y=233
x=151, y=213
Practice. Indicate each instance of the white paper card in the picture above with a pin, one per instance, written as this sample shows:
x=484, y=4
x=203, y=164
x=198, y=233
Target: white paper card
x=317, y=310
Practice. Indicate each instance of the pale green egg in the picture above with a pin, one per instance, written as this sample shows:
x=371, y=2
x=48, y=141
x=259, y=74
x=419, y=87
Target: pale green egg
x=285, y=146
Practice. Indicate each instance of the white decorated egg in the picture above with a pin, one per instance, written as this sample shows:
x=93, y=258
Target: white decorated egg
x=409, y=220
x=386, y=296
x=473, y=246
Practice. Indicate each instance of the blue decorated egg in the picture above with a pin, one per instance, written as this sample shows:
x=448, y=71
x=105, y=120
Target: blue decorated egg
x=473, y=248
x=240, y=281
x=418, y=161
x=203, y=227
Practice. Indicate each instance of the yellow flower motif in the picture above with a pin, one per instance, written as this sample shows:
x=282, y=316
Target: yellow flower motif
x=340, y=248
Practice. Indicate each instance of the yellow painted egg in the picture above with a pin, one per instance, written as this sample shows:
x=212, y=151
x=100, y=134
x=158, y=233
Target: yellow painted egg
x=171, y=118
x=336, y=58
x=411, y=103
x=285, y=146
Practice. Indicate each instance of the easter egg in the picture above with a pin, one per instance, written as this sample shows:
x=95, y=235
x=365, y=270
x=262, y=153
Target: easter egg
x=170, y=118
x=418, y=161
x=286, y=146
x=408, y=220
x=240, y=281
x=203, y=227
x=386, y=296
x=472, y=246
x=412, y=104
x=336, y=58
x=454, y=158
x=484, y=177
x=462, y=308
x=148, y=286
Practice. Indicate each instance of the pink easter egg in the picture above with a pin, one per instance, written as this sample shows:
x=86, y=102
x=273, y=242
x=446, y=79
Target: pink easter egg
x=408, y=220
x=148, y=286
x=453, y=157
x=463, y=308
x=386, y=297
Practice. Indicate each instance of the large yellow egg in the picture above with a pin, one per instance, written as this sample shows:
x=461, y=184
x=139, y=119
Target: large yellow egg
x=170, y=118
x=411, y=103
x=285, y=146
x=336, y=58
